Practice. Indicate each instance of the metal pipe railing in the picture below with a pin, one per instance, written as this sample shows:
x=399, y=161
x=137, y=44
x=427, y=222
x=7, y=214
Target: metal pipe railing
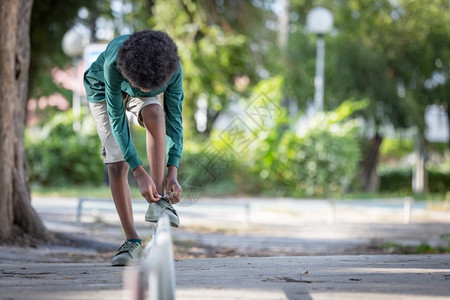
x=155, y=275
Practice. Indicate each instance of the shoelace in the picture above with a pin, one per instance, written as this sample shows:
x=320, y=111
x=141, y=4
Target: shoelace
x=128, y=246
x=165, y=203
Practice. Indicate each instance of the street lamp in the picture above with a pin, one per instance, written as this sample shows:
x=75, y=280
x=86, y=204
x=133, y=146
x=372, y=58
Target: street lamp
x=319, y=21
x=73, y=44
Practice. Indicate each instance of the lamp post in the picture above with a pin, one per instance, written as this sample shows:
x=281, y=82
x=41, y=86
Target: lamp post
x=319, y=21
x=73, y=44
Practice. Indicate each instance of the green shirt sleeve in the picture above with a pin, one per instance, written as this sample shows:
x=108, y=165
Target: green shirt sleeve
x=173, y=107
x=117, y=116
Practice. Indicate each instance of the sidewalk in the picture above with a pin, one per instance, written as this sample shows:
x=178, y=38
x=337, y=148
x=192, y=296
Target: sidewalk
x=274, y=250
x=319, y=277
x=263, y=227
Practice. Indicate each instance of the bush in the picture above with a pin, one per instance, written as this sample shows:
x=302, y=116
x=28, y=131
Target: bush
x=319, y=159
x=57, y=155
x=263, y=153
x=399, y=180
x=438, y=181
x=396, y=148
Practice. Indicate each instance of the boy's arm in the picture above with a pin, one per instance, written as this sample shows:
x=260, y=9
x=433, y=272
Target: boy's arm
x=173, y=188
x=173, y=107
x=117, y=116
x=121, y=132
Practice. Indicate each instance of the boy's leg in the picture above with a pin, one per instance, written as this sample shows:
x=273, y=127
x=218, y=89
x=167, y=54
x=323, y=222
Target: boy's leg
x=153, y=119
x=150, y=115
x=120, y=190
x=117, y=169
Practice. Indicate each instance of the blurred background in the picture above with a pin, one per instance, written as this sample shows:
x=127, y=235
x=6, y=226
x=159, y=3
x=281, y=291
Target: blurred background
x=283, y=98
x=310, y=127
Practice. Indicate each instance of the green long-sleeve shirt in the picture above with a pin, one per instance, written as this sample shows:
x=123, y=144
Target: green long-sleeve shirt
x=104, y=81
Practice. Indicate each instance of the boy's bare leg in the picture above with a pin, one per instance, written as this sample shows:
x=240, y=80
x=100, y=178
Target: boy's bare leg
x=120, y=189
x=153, y=116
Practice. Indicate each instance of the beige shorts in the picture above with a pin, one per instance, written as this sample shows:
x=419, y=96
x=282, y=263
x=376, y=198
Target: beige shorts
x=110, y=150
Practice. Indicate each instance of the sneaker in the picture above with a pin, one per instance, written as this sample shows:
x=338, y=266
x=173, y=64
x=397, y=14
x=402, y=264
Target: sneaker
x=127, y=253
x=156, y=209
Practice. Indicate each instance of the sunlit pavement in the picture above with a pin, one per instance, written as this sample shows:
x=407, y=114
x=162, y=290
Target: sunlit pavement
x=301, y=277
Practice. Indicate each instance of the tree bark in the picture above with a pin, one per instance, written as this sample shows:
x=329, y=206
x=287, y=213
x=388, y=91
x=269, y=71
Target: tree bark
x=447, y=109
x=17, y=216
x=370, y=180
x=420, y=177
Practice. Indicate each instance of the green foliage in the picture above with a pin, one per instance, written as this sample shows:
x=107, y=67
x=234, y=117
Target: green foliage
x=399, y=180
x=214, y=52
x=205, y=166
x=263, y=152
x=396, y=149
x=201, y=167
x=439, y=180
x=395, y=53
x=318, y=159
x=73, y=191
x=57, y=155
x=50, y=20
x=423, y=248
x=438, y=148
x=395, y=180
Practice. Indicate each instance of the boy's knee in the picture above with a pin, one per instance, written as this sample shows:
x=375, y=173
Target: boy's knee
x=152, y=113
x=118, y=169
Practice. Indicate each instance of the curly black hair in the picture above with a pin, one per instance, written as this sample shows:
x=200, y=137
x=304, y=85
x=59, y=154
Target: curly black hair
x=148, y=59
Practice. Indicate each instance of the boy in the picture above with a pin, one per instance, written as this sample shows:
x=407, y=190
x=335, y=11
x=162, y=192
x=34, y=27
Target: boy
x=129, y=75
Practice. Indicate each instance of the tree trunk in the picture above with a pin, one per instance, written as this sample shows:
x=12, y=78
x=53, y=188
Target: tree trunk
x=370, y=180
x=17, y=216
x=420, y=177
x=447, y=109
x=92, y=24
x=283, y=39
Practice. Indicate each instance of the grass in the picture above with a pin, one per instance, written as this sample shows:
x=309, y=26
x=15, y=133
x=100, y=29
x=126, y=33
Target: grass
x=101, y=191
x=373, y=195
x=424, y=248
x=220, y=189
x=438, y=197
x=395, y=248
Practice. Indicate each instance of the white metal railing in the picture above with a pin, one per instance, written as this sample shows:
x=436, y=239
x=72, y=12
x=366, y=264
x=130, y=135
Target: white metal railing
x=154, y=277
x=406, y=201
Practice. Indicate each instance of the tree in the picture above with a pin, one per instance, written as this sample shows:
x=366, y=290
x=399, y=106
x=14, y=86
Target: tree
x=215, y=41
x=399, y=60
x=17, y=216
x=50, y=20
x=393, y=53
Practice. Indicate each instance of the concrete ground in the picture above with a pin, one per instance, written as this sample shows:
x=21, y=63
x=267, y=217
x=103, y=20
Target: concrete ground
x=259, y=227
x=318, y=277
x=244, y=249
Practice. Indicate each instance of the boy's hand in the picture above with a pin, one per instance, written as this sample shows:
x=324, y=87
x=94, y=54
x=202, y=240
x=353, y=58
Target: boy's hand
x=173, y=188
x=146, y=185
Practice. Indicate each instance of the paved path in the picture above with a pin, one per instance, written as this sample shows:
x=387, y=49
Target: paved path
x=319, y=277
x=263, y=227
x=288, y=228
x=220, y=228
